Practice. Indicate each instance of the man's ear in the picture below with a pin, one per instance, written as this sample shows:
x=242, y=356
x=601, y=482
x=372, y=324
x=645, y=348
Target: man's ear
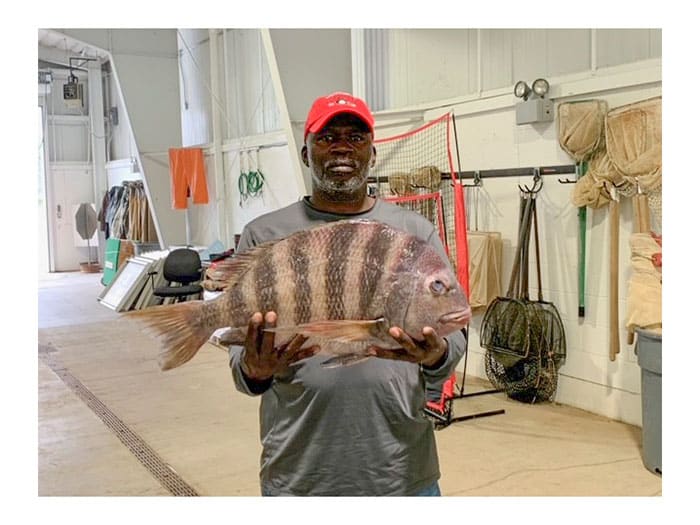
x=305, y=155
x=374, y=157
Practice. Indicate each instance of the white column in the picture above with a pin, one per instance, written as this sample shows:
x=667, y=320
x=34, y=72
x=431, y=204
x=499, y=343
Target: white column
x=284, y=112
x=217, y=107
x=97, y=142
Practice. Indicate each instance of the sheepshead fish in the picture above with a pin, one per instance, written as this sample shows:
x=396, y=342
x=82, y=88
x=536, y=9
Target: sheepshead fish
x=342, y=284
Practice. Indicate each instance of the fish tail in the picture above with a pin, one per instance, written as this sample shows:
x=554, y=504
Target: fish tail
x=181, y=329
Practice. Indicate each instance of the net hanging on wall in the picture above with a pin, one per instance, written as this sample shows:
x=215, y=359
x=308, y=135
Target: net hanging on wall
x=415, y=170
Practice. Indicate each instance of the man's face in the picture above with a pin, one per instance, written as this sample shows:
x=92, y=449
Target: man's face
x=340, y=155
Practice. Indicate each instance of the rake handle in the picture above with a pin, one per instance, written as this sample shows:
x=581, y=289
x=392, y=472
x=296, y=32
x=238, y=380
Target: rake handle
x=537, y=252
x=518, y=251
x=614, y=277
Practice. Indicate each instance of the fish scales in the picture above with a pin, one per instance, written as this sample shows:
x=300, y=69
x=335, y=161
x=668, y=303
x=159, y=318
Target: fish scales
x=378, y=248
x=265, y=277
x=283, y=285
x=346, y=250
x=336, y=246
x=355, y=253
x=299, y=264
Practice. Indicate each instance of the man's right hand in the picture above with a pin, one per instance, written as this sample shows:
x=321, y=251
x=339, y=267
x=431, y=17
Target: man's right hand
x=261, y=359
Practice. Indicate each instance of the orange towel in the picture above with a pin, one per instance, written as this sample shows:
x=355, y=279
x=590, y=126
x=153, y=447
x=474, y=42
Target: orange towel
x=188, y=176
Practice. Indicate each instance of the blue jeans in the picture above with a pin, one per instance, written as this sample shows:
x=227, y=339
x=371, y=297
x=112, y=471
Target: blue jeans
x=430, y=490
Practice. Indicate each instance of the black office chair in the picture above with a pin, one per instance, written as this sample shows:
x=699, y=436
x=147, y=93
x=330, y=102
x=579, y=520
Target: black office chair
x=182, y=269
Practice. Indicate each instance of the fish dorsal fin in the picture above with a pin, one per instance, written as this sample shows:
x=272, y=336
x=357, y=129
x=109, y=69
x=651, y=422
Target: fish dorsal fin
x=232, y=269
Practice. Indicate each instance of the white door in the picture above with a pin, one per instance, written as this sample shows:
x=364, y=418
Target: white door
x=70, y=185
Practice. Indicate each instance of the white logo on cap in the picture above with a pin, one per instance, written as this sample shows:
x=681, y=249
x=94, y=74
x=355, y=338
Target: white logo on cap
x=342, y=101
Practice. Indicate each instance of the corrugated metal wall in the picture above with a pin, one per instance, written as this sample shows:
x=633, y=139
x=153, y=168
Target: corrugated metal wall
x=247, y=106
x=426, y=65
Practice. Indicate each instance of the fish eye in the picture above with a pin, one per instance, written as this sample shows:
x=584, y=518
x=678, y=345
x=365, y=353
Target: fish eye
x=438, y=287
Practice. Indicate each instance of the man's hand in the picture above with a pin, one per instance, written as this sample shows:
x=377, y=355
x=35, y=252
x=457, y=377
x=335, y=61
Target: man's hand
x=261, y=359
x=428, y=352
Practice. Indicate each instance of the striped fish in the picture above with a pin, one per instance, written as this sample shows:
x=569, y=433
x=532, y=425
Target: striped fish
x=342, y=284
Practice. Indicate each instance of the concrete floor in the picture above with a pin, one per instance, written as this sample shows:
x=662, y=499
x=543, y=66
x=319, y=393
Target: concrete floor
x=194, y=425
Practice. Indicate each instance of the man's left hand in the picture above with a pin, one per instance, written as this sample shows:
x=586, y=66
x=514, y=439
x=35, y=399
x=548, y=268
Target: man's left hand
x=427, y=352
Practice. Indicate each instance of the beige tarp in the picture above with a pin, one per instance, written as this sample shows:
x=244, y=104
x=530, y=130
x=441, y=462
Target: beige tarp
x=644, y=286
x=485, y=250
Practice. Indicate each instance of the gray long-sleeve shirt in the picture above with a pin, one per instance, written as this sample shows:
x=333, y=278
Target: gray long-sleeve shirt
x=356, y=430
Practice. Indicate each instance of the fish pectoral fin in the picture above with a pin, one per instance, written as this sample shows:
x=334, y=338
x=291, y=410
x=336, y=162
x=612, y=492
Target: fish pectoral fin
x=344, y=360
x=343, y=330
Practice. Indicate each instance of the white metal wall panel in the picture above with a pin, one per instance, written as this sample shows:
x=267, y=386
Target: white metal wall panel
x=621, y=46
x=270, y=109
x=529, y=55
x=437, y=64
x=69, y=139
x=497, y=58
x=249, y=82
x=472, y=63
x=432, y=56
x=568, y=51
x=398, y=81
x=655, y=43
x=377, y=68
x=120, y=144
x=549, y=53
x=195, y=98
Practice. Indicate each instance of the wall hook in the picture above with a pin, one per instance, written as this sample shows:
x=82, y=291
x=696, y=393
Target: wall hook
x=537, y=185
x=477, y=181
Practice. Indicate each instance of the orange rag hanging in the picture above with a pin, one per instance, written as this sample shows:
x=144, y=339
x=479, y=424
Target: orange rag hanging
x=188, y=176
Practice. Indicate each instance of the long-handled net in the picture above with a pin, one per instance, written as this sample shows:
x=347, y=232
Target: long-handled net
x=524, y=340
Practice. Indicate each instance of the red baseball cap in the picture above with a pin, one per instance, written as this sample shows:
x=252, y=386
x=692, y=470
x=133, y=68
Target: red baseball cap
x=325, y=108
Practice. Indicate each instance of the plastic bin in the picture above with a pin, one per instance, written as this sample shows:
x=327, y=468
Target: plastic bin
x=649, y=358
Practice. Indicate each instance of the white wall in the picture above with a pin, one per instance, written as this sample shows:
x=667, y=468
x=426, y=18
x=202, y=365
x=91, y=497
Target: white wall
x=489, y=139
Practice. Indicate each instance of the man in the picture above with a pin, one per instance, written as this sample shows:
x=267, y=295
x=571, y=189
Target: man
x=357, y=430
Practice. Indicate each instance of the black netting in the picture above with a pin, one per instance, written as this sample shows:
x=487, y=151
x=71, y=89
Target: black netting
x=524, y=340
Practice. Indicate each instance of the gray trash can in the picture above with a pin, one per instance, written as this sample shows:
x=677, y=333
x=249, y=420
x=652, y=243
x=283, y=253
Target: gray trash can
x=649, y=358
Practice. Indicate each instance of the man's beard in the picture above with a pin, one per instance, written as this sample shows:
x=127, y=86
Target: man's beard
x=340, y=190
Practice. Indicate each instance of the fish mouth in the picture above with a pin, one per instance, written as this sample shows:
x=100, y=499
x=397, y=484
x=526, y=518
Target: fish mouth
x=457, y=318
